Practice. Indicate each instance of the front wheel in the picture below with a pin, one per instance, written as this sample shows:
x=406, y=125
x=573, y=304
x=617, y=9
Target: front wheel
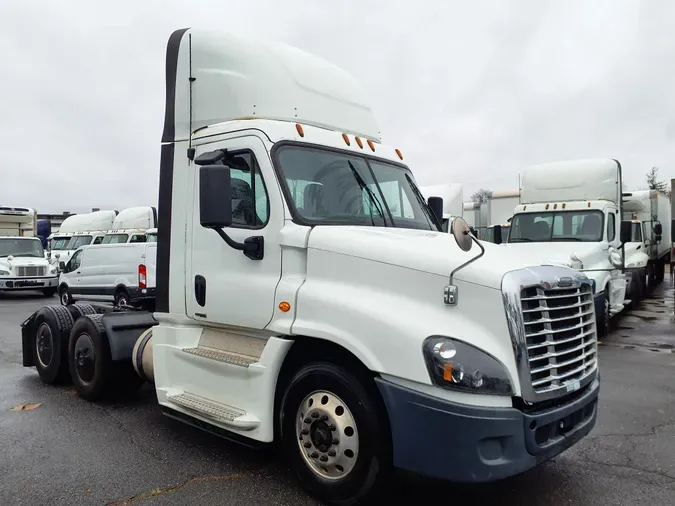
x=334, y=434
x=49, y=292
x=64, y=296
x=604, y=318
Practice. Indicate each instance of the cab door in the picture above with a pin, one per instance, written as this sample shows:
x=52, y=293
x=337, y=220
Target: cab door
x=224, y=286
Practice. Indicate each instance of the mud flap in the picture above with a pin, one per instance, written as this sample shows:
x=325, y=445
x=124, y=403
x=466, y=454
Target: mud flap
x=27, y=340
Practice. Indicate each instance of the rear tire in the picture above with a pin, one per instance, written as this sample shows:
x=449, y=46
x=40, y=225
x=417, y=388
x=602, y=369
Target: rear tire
x=50, y=344
x=78, y=310
x=331, y=427
x=122, y=298
x=94, y=374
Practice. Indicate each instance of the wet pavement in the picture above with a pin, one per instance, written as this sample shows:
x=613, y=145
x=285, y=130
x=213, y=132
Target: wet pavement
x=68, y=451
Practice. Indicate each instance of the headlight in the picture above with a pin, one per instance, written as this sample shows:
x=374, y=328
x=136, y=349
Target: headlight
x=614, y=257
x=459, y=366
x=52, y=269
x=4, y=273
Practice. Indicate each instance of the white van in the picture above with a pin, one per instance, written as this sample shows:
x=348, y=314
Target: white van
x=119, y=273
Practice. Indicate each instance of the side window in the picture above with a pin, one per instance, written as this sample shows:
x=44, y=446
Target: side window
x=611, y=226
x=138, y=238
x=98, y=240
x=250, y=206
x=76, y=261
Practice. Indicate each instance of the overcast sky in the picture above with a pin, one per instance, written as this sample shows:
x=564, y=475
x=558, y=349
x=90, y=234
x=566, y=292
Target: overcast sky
x=471, y=92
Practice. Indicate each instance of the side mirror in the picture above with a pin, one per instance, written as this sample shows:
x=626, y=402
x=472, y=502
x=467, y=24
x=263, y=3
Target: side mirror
x=215, y=209
x=626, y=232
x=497, y=234
x=658, y=229
x=62, y=266
x=436, y=205
x=215, y=191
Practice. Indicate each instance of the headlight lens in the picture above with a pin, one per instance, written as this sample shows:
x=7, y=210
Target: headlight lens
x=52, y=269
x=456, y=365
x=4, y=273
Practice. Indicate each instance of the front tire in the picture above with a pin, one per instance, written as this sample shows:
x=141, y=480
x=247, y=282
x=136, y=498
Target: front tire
x=334, y=434
x=64, y=296
x=49, y=292
x=604, y=319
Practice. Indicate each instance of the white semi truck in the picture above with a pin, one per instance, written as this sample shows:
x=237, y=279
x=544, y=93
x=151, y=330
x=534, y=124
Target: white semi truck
x=570, y=212
x=23, y=265
x=652, y=210
x=354, y=337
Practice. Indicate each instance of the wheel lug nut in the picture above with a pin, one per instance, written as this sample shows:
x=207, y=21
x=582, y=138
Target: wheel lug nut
x=336, y=441
x=308, y=444
x=332, y=427
x=331, y=453
x=307, y=420
x=315, y=415
x=324, y=417
x=304, y=432
x=314, y=455
x=323, y=458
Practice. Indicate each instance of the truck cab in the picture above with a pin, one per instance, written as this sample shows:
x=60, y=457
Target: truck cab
x=307, y=296
x=570, y=213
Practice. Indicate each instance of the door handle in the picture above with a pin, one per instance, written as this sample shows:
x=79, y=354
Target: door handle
x=200, y=290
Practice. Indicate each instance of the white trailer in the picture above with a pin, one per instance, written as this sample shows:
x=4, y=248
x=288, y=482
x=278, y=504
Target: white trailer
x=653, y=210
x=320, y=320
x=571, y=211
x=18, y=221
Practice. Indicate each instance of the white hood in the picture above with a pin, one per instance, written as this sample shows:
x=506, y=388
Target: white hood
x=593, y=255
x=422, y=250
x=8, y=263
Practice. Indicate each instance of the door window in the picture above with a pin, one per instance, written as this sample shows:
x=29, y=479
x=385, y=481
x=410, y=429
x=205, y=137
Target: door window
x=250, y=205
x=611, y=226
x=76, y=261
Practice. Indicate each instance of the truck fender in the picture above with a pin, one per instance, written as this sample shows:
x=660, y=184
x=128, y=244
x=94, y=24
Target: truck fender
x=123, y=330
x=27, y=340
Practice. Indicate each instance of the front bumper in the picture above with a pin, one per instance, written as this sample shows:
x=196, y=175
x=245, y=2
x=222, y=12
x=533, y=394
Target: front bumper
x=463, y=443
x=29, y=283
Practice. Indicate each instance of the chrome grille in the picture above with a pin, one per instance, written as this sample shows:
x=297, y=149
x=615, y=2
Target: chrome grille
x=550, y=313
x=560, y=334
x=31, y=270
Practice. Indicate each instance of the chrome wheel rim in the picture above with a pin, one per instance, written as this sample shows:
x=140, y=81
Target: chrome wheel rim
x=64, y=298
x=44, y=345
x=327, y=435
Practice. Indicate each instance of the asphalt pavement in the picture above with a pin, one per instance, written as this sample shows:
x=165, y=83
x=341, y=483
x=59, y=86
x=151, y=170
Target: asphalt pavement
x=68, y=451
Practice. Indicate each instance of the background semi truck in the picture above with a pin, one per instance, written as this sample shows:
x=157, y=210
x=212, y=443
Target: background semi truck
x=652, y=210
x=295, y=307
x=571, y=212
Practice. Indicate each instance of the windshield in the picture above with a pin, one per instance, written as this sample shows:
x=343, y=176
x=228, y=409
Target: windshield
x=60, y=243
x=80, y=240
x=21, y=248
x=115, y=239
x=328, y=187
x=583, y=226
x=152, y=238
x=636, y=232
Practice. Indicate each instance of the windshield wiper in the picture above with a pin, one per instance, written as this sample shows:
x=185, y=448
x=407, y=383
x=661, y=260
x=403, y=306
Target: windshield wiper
x=422, y=202
x=362, y=184
x=568, y=239
x=521, y=239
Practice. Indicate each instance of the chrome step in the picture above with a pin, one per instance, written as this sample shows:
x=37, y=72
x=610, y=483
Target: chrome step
x=222, y=356
x=216, y=411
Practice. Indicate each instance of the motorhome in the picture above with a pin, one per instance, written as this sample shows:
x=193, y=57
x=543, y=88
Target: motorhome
x=571, y=212
x=452, y=195
x=295, y=307
x=651, y=209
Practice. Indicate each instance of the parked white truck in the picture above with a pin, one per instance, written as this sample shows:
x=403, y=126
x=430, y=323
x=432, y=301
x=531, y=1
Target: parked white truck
x=131, y=224
x=23, y=265
x=89, y=228
x=333, y=327
x=652, y=210
x=570, y=212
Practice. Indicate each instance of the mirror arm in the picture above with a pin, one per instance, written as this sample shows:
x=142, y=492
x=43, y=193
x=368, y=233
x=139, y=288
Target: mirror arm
x=253, y=247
